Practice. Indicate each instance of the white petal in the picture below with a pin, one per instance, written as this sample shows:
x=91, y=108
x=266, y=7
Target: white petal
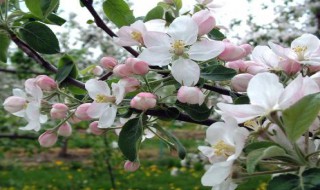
x=264, y=55
x=243, y=112
x=186, y=72
x=291, y=93
x=184, y=28
x=307, y=40
x=139, y=26
x=19, y=92
x=118, y=90
x=151, y=39
x=217, y=173
x=205, y=50
x=33, y=125
x=96, y=109
x=97, y=87
x=43, y=118
x=159, y=56
x=108, y=116
x=33, y=112
x=264, y=90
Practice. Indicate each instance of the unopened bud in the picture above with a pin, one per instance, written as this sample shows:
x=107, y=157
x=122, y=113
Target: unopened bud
x=59, y=111
x=81, y=112
x=190, y=95
x=205, y=21
x=94, y=129
x=131, y=166
x=108, y=62
x=97, y=71
x=122, y=70
x=65, y=130
x=137, y=66
x=14, y=104
x=240, y=82
x=144, y=101
x=46, y=83
x=130, y=84
x=232, y=52
x=48, y=139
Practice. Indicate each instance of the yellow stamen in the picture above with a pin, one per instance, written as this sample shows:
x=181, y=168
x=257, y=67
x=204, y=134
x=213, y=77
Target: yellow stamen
x=137, y=36
x=300, y=50
x=178, y=47
x=223, y=149
x=104, y=99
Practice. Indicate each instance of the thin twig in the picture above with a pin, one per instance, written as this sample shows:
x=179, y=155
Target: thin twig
x=11, y=71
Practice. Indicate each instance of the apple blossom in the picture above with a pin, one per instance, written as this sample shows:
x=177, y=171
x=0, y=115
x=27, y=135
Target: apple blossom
x=240, y=82
x=130, y=84
x=59, y=111
x=137, y=66
x=65, y=130
x=14, y=104
x=131, y=166
x=190, y=95
x=233, y=52
x=108, y=62
x=180, y=47
x=82, y=112
x=45, y=83
x=48, y=139
x=144, y=101
x=122, y=70
x=97, y=71
x=131, y=35
x=205, y=21
x=94, y=129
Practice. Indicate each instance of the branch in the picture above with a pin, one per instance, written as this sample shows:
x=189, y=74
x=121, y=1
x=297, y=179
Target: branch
x=35, y=56
x=221, y=90
x=106, y=76
x=16, y=136
x=17, y=72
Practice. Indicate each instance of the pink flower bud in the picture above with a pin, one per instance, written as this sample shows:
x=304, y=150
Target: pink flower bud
x=94, y=129
x=247, y=47
x=137, y=66
x=239, y=65
x=97, y=71
x=240, y=82
x=190, y=95
x=131, y=84
x=73, y=119
x=48, y=139
x=131, y=166
x=205, y=21
x=59, y=111
x=14, y=104
x=290, y=67
x=144, y=101
x=108, y=62
x=81, y=112
x=65, y=130
x=122, y=70
x=232, y=52
x=46, y=83
x=255, y=68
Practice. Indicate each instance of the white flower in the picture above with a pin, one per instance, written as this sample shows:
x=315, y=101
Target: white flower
x=180, y=46
x=131, y=35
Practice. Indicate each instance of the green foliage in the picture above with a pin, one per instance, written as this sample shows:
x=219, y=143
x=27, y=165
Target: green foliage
x=118, y=12
x=42, y=8
x=130, y=138
x=258, y=145
x=309, y=180
x=171, y=113
x=196, y=112
x=4, y=45
x=177, y=4
x=66, y=67
x=255, y=183
x=40, y=38
x=215, y=34
x=155, y=13
x=255, y=156
x=217, y=72
x=242, y=100
x=298, y=117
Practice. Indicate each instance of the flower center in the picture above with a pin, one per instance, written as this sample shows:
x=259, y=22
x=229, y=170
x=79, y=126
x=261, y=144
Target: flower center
x=178, y=47
x=300, y=50
x=223, y=149
x=137, y=36
x=100, y=98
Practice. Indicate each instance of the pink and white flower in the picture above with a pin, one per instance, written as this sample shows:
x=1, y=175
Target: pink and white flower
x=180, y=47
x=144, y=101
x=131, y=35
x=190, y=95
x=205, y=21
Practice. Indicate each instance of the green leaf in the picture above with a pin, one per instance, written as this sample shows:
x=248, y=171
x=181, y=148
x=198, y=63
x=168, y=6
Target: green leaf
x=196, y=112
x=254, y=183
x=217, y=73
x=49, y=6
x=34, y=7
x=129, y=138
x=66, y=67
x=118, y=12
x=242, y=100
x=254, y=157
x=76, y=90
x=309, y=180
x=177, y=4
x=215, y=34
x=40, y=38
x=55, y=19
x=298, y=117
x=177, y=144
x=171, y=113
x=258, y=145
x=4, y=45
x=155, y=13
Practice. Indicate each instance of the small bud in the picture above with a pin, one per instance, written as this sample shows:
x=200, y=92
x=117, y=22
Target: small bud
x=65, y=130
x=59, y=111
x=48, y=139
x=239, y=65
x=73, y=119
x=290, y=67
x=205, y=21
x=14, y=104
x=97, y=71
x=46, y=83
x=108, y=62
x=122, y=70
x=131, y=166
x=144, y=101
x=232, y=52
x=94, y=129
x=190, y=95
x=240, y=82
x=131, y=84
x=247, y=47
x=81, y=112
x=137, y=66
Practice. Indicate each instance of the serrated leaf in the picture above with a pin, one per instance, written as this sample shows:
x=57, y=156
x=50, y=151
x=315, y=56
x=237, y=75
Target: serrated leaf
x=118, y=12
x=4, y=45
x=196, y=112
x=215, y=34
x=155, y=13
x=34, y=7
x=129, y=138
x=255, y=156
x=299, y=117
x=40, y=38
x=258, y=145
x=177, y=144
x=66, y=67
x=217, y=73
x=309, y=180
